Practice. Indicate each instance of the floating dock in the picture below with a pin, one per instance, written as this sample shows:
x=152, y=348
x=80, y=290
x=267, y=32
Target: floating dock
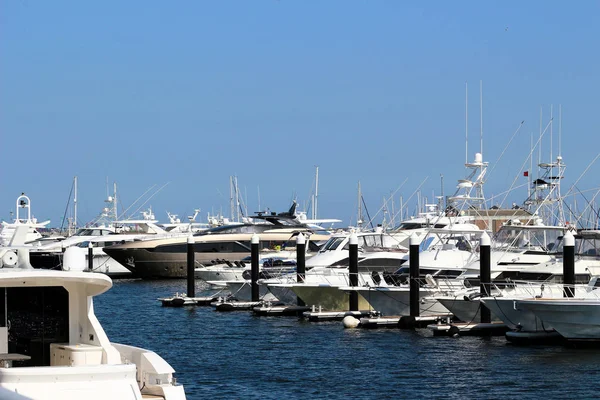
x=236, y=305
x=403, y=322
x=181, y=301
x=281, y=310
x=469, y=329
x=321, y=316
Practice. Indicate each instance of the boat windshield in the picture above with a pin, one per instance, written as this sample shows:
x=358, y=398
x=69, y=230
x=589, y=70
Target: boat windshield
x=407, y=226
x=514, y=238
x=584, y=246
x=92, y=232
x=332, y=244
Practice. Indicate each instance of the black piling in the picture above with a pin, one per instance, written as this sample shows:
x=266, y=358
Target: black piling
x=413, y=259
x=254, y=250
x=485, y=274
x=90, y=256
x=300, y=262
x=191, y=280
x=353, y=270
x=569, y=265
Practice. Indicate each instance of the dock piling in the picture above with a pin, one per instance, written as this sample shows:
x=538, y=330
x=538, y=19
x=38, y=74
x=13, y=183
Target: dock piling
x=353, y=270
x=413, y=254
x=568, y=265
x=191, y=280
x=485, y=275
x=300, y=262
x=254, y=250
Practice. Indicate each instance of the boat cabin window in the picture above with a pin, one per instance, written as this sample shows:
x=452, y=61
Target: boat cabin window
x=34, y=317
x=332, y=244
x=93, y=232
x=584, y=246
x=526, y=239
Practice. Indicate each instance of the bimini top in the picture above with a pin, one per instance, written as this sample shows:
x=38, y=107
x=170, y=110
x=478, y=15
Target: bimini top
x=95, y=283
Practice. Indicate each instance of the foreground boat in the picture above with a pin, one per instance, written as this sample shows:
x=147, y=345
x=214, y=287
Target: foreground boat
x=57, y=348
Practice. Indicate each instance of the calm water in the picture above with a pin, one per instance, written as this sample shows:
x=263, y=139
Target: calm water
x=237, y=355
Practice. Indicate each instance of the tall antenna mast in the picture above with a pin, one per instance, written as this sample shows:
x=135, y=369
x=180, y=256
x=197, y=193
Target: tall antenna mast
x=115, y=201
x=316, y=191
x=359, y=221
x=551, y=126
x=231, y=206
x=466, y=123
x=559, y=129
x=237, y=198
x=481, y=115
x=540, y=141
x=75, y=203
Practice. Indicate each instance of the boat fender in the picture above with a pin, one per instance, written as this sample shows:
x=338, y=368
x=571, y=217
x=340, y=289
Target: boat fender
x=454, y=331
x=350, y=322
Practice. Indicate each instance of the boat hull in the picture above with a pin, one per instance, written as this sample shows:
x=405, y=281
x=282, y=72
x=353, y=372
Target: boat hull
x=575, y=320
x=395, y=301
x=329, y=298
x=515, y=318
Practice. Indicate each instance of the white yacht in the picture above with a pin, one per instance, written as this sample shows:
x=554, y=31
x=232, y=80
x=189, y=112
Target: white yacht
x=576, y=318
x=439, y=266
x=548, y=284
x=52, y=346
x=516, y=251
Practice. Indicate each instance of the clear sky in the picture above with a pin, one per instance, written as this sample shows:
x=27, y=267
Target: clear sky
x=191, y=92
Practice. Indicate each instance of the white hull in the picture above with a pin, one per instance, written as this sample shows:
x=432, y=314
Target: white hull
x=464, y=310
x=503, y=308
x=573, y=319
x=284, y=294
x=242, y=290
x=329, y=298
x=220, y=274
x=396, y=301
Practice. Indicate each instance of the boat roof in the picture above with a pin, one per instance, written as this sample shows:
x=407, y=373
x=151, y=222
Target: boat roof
x=95, y=283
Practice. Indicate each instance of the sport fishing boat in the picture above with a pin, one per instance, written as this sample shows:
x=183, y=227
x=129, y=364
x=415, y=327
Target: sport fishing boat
x=52, y=346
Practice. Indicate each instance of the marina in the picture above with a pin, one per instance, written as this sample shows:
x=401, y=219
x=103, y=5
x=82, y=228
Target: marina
x=299, y=200
x=203, y=346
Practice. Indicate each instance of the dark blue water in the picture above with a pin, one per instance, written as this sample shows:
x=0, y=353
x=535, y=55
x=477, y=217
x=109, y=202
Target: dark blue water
x=237, y=355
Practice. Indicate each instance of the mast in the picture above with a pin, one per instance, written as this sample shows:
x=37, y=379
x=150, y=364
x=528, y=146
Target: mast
x=316, y=192
x=466, y=123
x=231, y=206
x=359, y=220
x=115, y=202
x=481, y=116
x=75, y=204
x=237, y=198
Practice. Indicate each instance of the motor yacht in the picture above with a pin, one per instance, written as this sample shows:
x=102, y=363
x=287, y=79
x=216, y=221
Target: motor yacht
x=52, y=346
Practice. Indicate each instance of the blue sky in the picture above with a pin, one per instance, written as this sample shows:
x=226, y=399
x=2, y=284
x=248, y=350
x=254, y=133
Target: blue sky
x=191, y=92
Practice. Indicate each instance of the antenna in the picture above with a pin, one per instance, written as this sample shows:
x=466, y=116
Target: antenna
x=359, y=221
x=551, y=125
x=316, y=191
x=540, y=142
x=481, y=115
x=559, y=129
x=75, y=203
x=466, y=123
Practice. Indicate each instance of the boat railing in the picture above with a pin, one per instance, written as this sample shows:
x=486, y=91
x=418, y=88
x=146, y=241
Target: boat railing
x=547, y=290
